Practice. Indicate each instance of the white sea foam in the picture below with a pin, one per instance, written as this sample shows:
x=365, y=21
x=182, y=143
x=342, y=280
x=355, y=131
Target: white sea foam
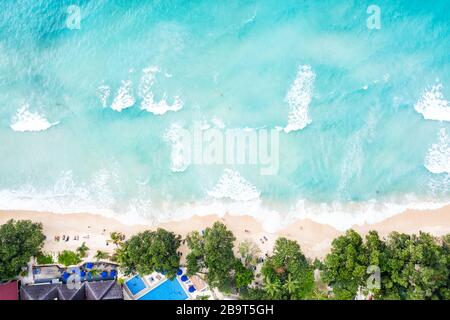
x=233, y=186
x=148, y=102
x=104, y=92
x=25, y=120
x=179, y=160
x=432, y=104
x=299, y=97
x=124, y=98
x=70, y=197
x=343, y=216
x=438, y=156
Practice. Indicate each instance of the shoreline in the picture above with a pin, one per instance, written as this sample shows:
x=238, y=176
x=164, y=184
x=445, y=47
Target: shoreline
x=314, y=238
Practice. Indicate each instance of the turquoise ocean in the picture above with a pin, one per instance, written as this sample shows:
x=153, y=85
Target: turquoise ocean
x=89, y=111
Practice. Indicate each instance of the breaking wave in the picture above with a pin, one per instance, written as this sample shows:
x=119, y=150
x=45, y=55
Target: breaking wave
x=25, y=120
x=299, y=97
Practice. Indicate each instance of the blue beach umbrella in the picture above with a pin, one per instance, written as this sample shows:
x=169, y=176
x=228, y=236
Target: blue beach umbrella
x=179, y=272
x=66, y=275
x=184, y=278
x=104, y=274
x=191, y=289
x=89, y=265
x=82, y=274
x=113, y=273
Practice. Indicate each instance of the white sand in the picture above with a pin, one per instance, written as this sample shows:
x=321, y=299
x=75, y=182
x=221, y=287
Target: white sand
x=314, y=238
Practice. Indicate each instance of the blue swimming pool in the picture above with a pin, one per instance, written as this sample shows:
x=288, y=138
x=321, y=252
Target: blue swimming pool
x=136, y=284
x=168, y=290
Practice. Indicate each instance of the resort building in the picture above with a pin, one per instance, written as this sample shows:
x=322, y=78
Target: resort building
x=87, y=281
x=9, y=290
x=96, y=290
x=89, y=271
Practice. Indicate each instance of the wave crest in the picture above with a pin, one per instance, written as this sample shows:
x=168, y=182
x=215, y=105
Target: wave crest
x=233, y=186
x=438, y=156
x=432, y=104
x=299, y=97
x=25, y=120
x=124, y=98
x=148, y=102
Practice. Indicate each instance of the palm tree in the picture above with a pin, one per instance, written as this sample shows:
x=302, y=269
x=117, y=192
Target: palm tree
x=101, y=255
x=272, y=288
x=82, y=250
x=117, y=238
x=94, y=272
x=291, y=285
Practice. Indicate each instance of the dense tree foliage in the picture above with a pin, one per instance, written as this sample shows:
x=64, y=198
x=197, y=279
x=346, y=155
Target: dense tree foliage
x=345, y=266
x=19, y=241
x=416, y=268
x=212, y=251
x=409, y=266
x=287, y=273
x=150, y=251
x=243, y=276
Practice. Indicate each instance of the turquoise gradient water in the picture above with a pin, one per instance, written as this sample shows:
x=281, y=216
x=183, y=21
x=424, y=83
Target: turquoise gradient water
x=228, y=60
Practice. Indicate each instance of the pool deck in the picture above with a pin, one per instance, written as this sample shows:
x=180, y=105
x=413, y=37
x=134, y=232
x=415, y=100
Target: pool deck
x=155, y=279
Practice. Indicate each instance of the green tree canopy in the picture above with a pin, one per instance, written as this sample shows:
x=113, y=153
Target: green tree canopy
x=416, y=268
x=151, y=251
x=214, y=251
x=287, y=273
x=19, y=241
x=345, y=266
x=243, y=276
x=411, y=266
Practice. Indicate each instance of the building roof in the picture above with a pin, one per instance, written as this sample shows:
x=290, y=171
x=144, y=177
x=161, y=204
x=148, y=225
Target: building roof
x=103, y=290
x=9, y=291
x=97, y=290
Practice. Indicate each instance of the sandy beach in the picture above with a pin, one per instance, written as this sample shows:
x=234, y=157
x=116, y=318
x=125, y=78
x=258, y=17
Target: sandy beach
x=314, y=238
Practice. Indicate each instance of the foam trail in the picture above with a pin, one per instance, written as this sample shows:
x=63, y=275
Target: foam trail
x=148, y=102
x=25, y=120
x=299, y=97
x=104, y=93
x=233, y=186
x=438, y=156
x=124, y=98
x=432, y=104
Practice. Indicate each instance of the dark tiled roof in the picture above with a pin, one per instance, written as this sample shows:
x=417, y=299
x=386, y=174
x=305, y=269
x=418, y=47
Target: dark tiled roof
x=39, y=292
x=9, y=291
x=103, y=290
x=97, y=290
x=64, y=293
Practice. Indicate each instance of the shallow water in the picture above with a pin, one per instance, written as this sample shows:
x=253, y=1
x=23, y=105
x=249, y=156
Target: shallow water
x=86, y=114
